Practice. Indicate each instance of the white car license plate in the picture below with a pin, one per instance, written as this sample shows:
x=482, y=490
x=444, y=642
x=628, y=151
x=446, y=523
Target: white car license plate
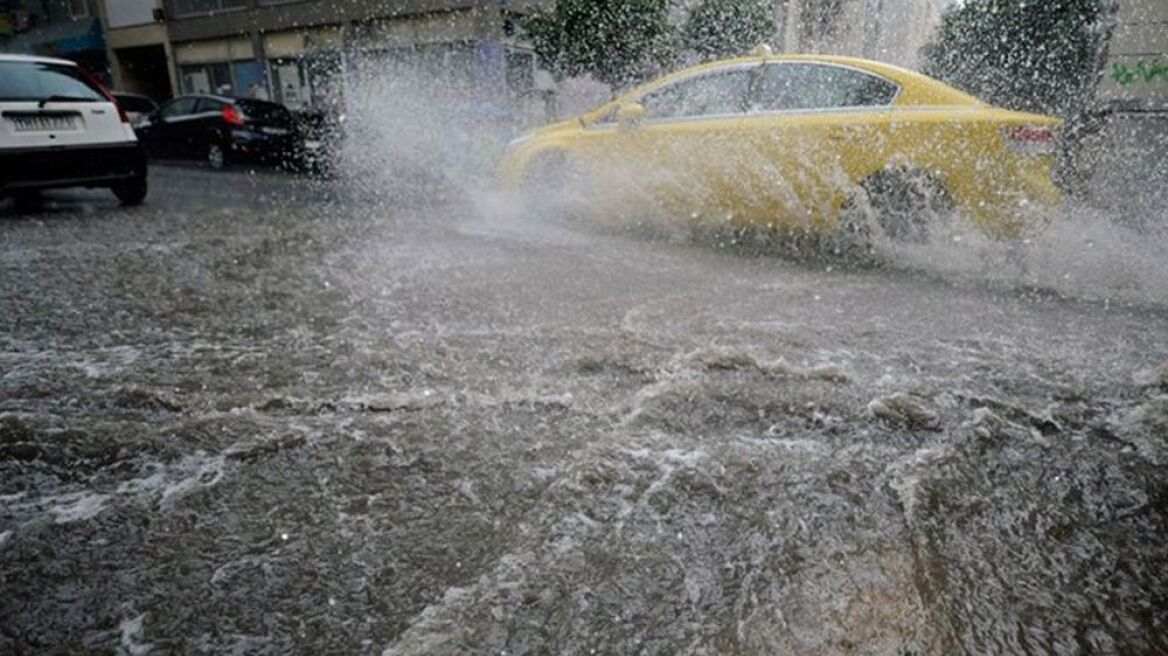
x=268, y=130
x=44, y=123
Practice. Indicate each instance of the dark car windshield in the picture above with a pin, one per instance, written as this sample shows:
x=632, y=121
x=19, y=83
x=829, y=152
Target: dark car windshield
x=261, y=111
x=41, y=80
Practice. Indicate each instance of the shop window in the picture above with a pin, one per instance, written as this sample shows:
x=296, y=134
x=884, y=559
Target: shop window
x=248, y=79
x=206, y=78
x=326, y=81
x=288, y=83
x=314, y=82
x=78, y=9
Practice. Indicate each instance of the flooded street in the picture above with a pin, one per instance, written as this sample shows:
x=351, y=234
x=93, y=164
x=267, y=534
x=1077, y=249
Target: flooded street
x=265, y=415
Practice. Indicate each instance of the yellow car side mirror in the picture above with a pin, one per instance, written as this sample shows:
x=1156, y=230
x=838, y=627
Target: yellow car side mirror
x=628, y=114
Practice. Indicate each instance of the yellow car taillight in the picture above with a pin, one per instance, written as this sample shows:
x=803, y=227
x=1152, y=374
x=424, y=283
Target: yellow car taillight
x=1030, y=139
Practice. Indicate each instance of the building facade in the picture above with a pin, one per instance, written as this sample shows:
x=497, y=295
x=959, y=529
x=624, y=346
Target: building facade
x=1125, y=155
x=1136, y=70
x=892, y=31
x=300, y=52
x=70, y=29
x=139, y=48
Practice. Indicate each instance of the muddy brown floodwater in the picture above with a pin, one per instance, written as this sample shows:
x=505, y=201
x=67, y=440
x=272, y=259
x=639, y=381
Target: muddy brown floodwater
x=259, y=417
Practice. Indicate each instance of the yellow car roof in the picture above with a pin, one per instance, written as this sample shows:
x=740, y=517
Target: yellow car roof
x=916, y=89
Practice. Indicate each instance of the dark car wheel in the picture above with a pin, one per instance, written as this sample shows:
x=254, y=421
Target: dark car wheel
x=131, y=192
x=26, y=201
x=216, y=155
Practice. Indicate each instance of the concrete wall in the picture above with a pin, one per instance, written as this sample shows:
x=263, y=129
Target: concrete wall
x=904, y=27
x=1136, y=71
x=887, y=30
x=846, y=38
x=294, y=43
x=308, y=14
x=124, y=13
x=459, y=25
x=1126, y=155
x=213, y=51
x=138, y=35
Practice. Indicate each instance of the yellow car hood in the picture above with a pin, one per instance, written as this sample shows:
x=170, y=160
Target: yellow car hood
x=547, y=129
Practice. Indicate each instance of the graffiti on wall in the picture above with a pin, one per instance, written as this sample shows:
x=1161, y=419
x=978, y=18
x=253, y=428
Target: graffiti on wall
x=1142, y=72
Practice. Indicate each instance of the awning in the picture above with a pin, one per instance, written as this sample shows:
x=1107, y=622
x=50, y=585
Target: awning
x=92, y=38
x=63, y=38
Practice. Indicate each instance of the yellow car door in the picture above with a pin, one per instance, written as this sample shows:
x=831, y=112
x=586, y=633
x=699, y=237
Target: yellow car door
x=813, y=130
x=674, y=158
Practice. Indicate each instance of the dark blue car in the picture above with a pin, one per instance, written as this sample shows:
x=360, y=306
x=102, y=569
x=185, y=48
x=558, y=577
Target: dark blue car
x=220, y=130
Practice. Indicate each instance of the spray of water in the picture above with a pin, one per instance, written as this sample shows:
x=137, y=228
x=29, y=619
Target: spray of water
x=409, y=127
x=1085, y=253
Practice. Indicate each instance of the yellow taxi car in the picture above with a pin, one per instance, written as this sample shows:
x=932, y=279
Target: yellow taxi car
x=800, y=143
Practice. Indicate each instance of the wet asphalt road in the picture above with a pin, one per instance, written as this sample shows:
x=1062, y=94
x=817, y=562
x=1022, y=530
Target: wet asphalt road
x=262, y=414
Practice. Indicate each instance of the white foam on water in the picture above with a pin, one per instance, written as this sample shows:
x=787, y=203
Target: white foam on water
x=142, y=485
x=905, y=474
x=76, y=507
x=1084, y=253
x=107, y=362
x=396, y=401
x=201, y=472
x=130, y=630
x=165, y=485
x=168, y=484
x=60, y=508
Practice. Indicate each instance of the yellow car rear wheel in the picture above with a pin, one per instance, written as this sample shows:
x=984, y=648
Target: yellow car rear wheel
x=906, y=205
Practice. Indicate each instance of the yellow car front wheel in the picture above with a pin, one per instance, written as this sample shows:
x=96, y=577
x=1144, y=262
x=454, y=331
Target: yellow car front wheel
x=555, y=186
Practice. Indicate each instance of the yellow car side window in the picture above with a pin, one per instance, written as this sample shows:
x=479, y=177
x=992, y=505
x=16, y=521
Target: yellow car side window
x=806, y=86
x=713, y=94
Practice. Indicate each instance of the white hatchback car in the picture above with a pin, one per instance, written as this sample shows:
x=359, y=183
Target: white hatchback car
x=60, y=128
